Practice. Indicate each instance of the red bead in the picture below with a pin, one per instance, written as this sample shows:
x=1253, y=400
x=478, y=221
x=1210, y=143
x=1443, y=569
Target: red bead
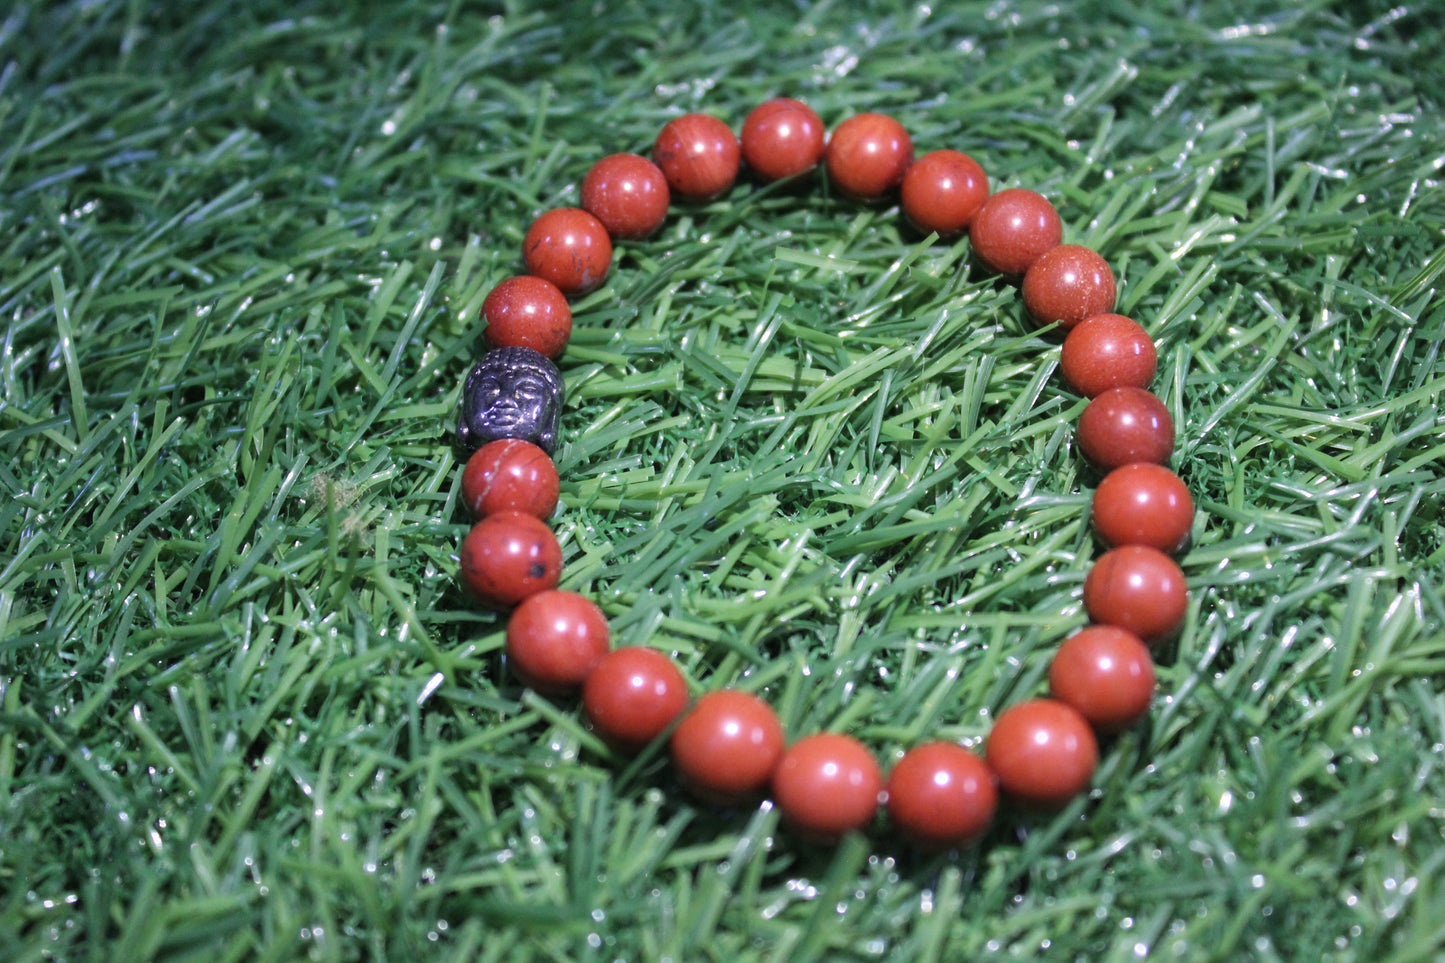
x=554, y=639
x=1143, y=504
x=1137, y=588
x=528, y=312
x=509, y=556
x=1043, y=752
x=698, y=155
x=632, y=695
x=1105, y=673
x=570, y=248
x=1124, y=425
x=782, y=138
x=1067, y=284
x=943, y=191
x=726, y=748
x=510, y=474
x=628, y=194
x=1013, y=228
x=1107, y=351
x=827, y=785
x=868, y=155
x=940, y=794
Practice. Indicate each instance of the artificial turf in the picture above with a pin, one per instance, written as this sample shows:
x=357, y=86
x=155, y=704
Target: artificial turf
x=247, y=711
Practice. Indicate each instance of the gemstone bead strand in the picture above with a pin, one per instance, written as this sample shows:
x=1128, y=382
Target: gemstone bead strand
x=728, y=746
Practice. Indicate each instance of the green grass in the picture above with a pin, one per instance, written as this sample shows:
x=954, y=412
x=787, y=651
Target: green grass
x=247, y=713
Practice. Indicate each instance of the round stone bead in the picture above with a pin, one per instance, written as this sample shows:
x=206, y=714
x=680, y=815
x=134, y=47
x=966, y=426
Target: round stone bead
x=940, y=794
x=943, y=191
x=1107, y=351
x=725, y=749
x=1139, y=589
x=782, y=138
x=632, y=695
x=868, y=155
x=554, y=638
x=1067, y=284
x=1105, y=673
x=827, y=785
x=628, y=194
x=570, y=248
x=699, y=156
x=1124, y=425
x=1013, y=228
x=508, y=556
x=1143, y=504
x=510, y=475
x=1043, y=752
x=527, y=312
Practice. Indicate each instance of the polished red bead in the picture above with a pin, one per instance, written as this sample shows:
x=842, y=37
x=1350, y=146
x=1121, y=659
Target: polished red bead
x=1043, y=752
x=1105, y=673
x=1143, y=504
x=1137, y=588
x=1068, y=283
x=1013, y=228
x=628, y=194
x=827, y=785
x=942, y=191
x=699, y=156
x=726, y=748
x=868, y=155
x=554, y=638
x=527, y=312
x=632, y=695
x=510, y=474
x=940, y=794
x=509, y=556
x=1124, y=425
x=782, y=138
x=570, y=248
x=1107, y=351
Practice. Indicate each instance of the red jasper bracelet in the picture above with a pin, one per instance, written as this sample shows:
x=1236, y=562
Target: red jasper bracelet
x=728, y=745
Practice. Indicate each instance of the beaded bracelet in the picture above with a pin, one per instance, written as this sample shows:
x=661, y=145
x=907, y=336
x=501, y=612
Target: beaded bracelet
x=728, y=745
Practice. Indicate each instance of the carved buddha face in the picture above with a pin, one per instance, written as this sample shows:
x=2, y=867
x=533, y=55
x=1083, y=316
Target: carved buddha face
x=511, y=393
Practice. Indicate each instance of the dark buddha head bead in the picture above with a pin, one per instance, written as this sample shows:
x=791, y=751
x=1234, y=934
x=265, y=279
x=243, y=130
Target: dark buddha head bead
x=511, y=393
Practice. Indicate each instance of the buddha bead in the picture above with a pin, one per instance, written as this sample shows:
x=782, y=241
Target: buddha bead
x=511, y=393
